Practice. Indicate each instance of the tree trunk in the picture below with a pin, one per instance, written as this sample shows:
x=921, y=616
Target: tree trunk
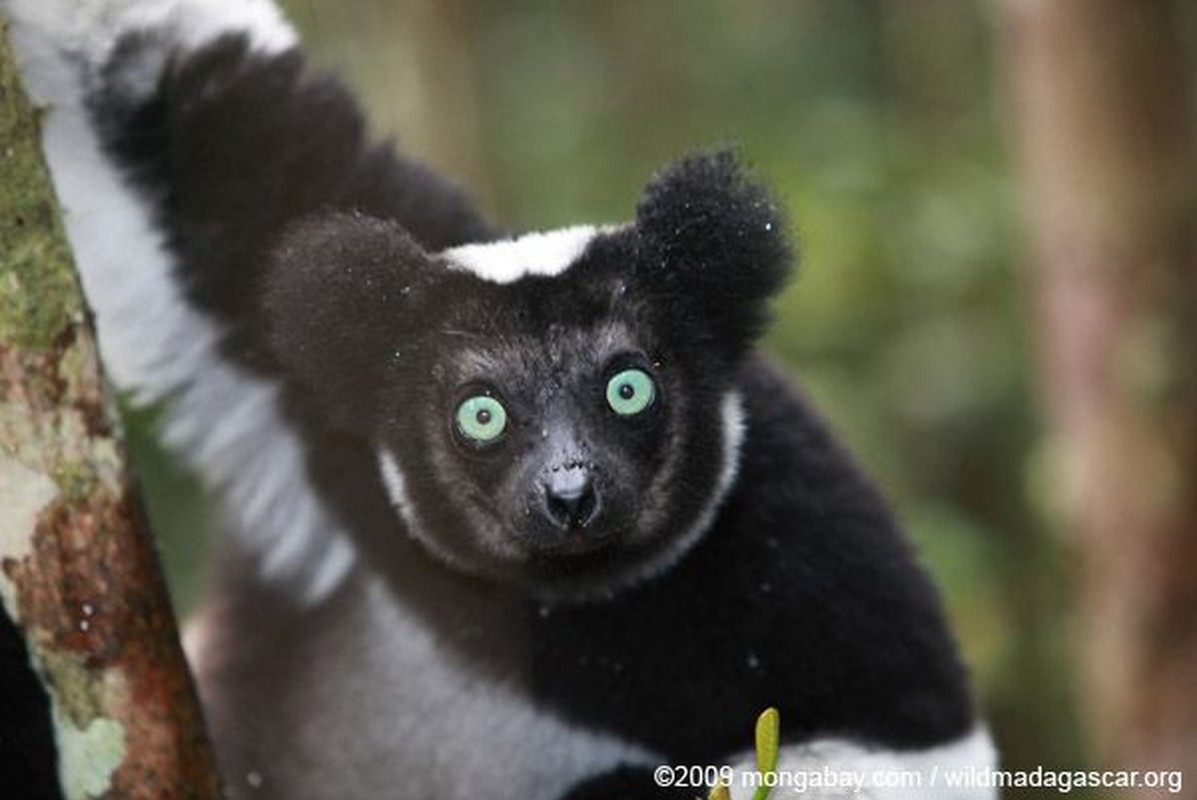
x=1100, y=93
x=78, y=572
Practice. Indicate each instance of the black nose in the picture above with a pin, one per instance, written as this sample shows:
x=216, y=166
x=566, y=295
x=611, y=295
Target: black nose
x=570, y=499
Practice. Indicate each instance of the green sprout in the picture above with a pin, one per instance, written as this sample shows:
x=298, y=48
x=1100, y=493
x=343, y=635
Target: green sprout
x=720, y=792
x=768, y=727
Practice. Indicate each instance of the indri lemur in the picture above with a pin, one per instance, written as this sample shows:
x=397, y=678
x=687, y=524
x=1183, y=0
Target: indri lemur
x=505, y=516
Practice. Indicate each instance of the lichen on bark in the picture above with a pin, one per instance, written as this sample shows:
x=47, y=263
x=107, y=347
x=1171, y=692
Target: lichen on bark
x=78, y=571
x=37, y=287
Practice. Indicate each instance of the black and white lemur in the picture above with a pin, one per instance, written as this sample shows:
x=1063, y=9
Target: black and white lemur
x=507, y=517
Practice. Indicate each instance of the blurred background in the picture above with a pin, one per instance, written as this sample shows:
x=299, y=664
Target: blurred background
x=969, y=275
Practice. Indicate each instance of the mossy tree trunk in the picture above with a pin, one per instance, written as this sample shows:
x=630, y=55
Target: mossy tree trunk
x=78, y=570
x=1101, y=96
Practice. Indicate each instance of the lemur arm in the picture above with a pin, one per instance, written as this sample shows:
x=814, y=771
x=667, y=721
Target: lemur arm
x=233, y=146
x=182, y=137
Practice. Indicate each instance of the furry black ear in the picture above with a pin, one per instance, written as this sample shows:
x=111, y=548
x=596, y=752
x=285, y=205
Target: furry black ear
x=340, y=296
x=713, y=244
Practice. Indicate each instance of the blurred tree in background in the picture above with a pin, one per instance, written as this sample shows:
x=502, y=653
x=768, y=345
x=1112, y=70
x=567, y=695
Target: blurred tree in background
x=1103, y=97
x=911, y=322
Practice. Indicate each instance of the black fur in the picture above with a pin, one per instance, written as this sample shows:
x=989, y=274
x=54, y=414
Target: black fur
x=340, y=296
x=28, y=758
x=311, y=249
x=804, y=596
x=233, y=148
x=715, y=242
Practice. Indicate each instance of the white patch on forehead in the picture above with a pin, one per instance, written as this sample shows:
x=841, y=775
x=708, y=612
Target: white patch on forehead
x=547, y=253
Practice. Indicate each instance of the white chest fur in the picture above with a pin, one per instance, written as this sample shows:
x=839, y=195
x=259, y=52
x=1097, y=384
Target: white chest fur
x=400, y=711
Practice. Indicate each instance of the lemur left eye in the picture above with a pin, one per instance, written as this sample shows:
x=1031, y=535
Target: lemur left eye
x=630, y=392
x=481, y=419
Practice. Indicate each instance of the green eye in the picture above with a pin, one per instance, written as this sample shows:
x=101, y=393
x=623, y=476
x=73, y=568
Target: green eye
x=630, y=392
x=481, y=419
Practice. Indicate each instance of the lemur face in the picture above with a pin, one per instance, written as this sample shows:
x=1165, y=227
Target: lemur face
x=551, y=443
x=549, y=433
x=557, y=411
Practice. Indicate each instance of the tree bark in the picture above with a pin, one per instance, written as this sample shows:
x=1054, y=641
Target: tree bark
x=78, y=571
x=1100, y=92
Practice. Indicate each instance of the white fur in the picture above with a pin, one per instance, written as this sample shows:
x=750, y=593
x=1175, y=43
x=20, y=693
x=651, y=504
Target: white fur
x=547, y=254
x=464, y=733
x=734, y=426
x=881, y=774
x=732, y=416
x=396, y=486
x=222, y=419
x=87, y=29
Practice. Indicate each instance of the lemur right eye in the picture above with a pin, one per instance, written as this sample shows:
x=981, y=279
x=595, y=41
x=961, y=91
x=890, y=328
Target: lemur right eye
x=481, y=419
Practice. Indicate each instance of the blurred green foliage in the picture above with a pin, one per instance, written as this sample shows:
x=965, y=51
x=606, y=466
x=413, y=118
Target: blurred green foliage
x=880, y=127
